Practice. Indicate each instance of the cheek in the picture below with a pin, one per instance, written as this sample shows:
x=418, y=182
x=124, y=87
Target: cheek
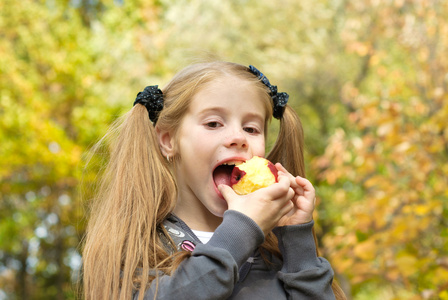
x=260, y=147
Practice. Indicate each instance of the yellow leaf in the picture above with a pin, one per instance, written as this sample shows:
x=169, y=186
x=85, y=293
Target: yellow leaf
x=407, y=264
x=422, y=209
x=366, y=250
x=443, y=295
x=441, y=275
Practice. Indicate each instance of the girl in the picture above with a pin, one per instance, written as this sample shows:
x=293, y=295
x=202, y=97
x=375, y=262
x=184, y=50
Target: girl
x=166, y=224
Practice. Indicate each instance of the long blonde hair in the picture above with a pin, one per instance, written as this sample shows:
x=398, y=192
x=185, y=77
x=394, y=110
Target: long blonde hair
x=138, y=190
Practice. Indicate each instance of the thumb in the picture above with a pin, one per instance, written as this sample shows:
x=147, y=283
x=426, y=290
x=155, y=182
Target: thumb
x=227, y=192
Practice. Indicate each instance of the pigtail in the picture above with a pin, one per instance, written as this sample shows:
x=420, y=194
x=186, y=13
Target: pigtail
x=288, y=150
x=136, y=193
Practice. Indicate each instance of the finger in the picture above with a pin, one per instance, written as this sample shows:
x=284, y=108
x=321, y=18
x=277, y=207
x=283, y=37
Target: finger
x=280, y=167
x=288, y=208
x=282, y=170
x=278, y=190
x=227, y=192
x=306, y=185
x=289, y=205
x=302, y=181
x=284, y=182
x=291, y=194
x=297, y=188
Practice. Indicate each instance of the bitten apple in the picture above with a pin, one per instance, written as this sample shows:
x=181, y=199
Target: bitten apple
x=254, y=174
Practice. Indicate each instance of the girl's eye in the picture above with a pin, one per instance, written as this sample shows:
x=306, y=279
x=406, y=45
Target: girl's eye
x=251, y=130
x=213, y=124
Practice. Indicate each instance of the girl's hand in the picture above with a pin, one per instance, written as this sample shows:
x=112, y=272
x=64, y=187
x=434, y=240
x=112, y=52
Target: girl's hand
x=303, y=201
x=265, y=206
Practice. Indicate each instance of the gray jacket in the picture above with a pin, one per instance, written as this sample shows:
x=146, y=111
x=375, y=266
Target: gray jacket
x=229, y=266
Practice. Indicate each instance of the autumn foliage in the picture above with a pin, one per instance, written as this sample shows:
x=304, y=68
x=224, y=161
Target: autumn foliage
x=384, y=175
x=368, y=78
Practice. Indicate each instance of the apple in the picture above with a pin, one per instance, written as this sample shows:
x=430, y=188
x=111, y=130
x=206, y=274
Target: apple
x=254, y=174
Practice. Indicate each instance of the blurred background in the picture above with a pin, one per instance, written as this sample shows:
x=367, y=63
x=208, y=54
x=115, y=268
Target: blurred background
x=368, y=78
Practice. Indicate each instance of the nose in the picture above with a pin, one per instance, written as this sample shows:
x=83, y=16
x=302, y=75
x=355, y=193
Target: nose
x=236, y=139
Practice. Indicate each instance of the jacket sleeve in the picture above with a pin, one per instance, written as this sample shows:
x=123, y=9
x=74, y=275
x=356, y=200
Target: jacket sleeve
x=212, y=270
x=304, y=275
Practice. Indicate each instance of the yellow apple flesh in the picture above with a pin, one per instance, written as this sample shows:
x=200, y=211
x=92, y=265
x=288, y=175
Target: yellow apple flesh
x=254, y=174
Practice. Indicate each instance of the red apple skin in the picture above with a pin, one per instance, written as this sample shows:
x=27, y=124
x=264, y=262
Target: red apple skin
x=274, y=170
x=236, y=176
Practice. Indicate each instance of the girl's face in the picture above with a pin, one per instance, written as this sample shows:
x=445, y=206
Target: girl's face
x=224, y=124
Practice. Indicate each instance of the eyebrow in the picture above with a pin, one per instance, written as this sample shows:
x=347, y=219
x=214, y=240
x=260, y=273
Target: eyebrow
x=206, y=111
x=259, y=117
x=212, y=110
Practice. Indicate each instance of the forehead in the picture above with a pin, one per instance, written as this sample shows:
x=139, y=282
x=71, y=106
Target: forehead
x=230, y=92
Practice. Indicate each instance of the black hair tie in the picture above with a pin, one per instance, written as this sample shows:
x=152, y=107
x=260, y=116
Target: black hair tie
x=280, y=99
x=152, y=98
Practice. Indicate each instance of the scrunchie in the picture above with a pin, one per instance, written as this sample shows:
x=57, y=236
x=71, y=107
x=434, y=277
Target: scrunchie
x=152, y=98
x=279, y=99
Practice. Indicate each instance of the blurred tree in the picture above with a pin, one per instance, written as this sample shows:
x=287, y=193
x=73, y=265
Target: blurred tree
x=368, y=78
x=385, y=177
x=61, y=80
x=296, y=43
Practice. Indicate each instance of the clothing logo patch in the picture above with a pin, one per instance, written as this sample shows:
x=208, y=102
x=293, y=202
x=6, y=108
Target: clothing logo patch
x=174, y=231
x=187, y=246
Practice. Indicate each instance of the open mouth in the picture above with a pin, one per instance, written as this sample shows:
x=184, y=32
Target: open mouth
x=227, y=174
x=222, y=174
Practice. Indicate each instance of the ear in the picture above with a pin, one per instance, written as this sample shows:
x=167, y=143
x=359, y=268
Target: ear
x=166, y=142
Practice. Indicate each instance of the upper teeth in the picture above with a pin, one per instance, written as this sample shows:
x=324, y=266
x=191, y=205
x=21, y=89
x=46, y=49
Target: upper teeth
x=232, y=163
